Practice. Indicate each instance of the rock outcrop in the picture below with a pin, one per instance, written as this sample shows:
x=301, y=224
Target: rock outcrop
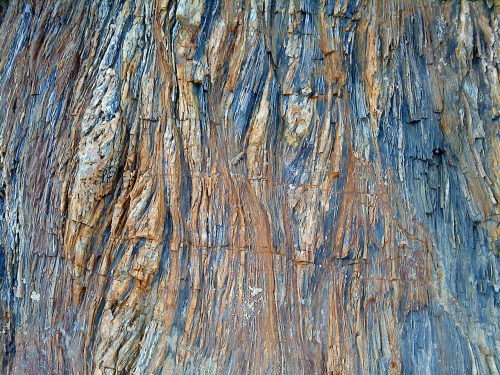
x=249, y=187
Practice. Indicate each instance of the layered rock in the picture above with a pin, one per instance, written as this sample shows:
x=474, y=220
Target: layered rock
x=243, y=187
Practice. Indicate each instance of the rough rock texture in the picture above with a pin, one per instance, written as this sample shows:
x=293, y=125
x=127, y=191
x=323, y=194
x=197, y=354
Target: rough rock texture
x=245, y=187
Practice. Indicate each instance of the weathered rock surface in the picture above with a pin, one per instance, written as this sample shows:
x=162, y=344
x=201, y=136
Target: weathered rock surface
x=244, y=187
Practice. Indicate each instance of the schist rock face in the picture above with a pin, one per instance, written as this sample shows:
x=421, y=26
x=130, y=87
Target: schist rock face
x=249, y=187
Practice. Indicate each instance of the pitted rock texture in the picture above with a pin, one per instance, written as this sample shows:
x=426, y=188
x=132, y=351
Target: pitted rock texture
x=249, y=187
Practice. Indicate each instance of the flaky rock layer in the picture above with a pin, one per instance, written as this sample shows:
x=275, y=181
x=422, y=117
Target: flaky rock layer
x=249, y=187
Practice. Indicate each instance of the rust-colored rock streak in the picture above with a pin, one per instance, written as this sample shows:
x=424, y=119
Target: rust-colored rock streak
x=249, y=187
